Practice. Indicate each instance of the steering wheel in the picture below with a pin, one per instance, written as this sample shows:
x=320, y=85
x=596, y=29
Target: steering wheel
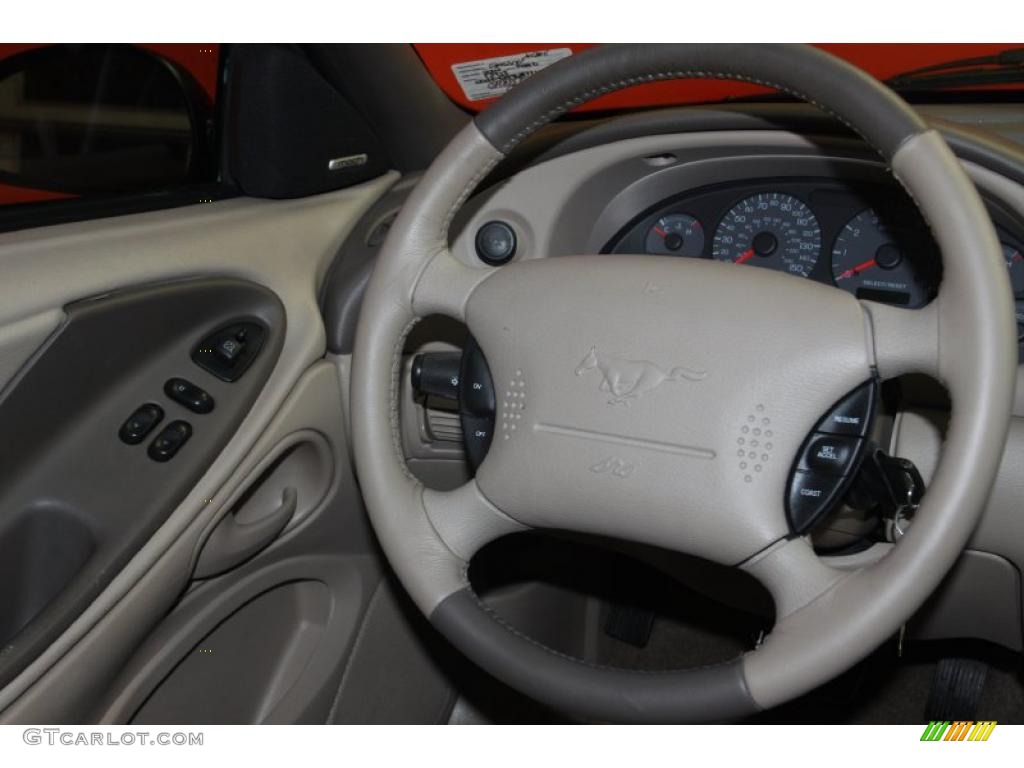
x=757, y=345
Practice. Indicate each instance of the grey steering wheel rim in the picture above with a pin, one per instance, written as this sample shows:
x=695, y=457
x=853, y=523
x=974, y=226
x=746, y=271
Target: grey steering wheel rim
x=827, y=620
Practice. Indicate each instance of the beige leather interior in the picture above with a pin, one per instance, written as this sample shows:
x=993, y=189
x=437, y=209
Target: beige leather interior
x=428, y=533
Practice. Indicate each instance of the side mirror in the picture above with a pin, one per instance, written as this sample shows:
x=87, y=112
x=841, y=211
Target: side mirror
x=101, y=119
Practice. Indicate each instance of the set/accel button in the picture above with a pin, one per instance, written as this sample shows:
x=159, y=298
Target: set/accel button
x=832, y=454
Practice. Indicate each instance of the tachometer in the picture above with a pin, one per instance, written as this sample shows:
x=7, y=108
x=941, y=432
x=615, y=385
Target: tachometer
x=772, y=230
x=869, y=261
x=1015, y=263
x=676, y=234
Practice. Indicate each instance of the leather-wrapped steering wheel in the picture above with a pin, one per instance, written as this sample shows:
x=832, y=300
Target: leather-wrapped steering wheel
x=536, y=320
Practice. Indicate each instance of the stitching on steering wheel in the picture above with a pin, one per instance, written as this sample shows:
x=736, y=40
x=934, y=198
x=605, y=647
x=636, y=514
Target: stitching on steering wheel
x=394, y=398
x=466, y=192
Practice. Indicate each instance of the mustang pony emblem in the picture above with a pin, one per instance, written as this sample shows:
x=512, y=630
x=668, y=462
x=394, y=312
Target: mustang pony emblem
x=630, y=379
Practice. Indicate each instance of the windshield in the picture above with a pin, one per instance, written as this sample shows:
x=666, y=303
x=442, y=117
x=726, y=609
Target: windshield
x=474, y=74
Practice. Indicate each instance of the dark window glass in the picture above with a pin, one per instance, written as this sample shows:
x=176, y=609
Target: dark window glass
x=81, y=121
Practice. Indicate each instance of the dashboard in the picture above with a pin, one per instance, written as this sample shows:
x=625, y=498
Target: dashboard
x=867, y=239
x=814, y=207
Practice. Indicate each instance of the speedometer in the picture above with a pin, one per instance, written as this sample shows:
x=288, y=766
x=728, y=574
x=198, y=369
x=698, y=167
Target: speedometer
x=773, y=230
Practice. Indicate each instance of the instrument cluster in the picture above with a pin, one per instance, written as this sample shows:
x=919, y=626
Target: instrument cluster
x=867, y=239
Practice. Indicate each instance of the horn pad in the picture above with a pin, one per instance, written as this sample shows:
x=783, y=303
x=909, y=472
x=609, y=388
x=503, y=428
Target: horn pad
x=658, y=400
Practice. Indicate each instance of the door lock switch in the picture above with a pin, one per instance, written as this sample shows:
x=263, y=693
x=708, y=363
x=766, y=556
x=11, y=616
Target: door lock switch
x=189, y=395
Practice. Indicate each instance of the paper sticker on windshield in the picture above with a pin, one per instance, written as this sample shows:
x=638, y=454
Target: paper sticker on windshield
x=490, y=78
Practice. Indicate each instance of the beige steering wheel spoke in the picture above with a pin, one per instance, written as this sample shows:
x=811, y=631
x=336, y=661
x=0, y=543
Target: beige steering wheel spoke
x=903, y=340
x=465, y=520
x=793, y=574
x=445, y=286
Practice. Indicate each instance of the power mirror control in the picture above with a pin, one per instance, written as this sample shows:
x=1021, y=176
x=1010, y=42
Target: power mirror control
x=229, y=351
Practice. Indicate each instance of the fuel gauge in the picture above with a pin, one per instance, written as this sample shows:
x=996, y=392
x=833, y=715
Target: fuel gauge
x=1020, y=330
x=676, y=234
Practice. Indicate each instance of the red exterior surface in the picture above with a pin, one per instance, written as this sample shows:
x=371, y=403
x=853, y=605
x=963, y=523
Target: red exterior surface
x=881, y=60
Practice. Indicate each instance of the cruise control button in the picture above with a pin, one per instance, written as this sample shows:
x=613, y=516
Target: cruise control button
x=141, y=423
x=852, y=415
x=833, y=454
x=170, y=440
x=476, y=388
x=189, y=395
x=477, y=433
x=811, y=494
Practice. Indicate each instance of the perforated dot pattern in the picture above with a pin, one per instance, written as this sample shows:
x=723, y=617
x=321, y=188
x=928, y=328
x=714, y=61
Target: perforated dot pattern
x=754, y=443
x=512, y=406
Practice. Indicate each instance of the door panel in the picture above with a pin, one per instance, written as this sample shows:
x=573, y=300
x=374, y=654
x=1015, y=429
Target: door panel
x=277, y=251
x=67, y=476
x=20, y=339
x=330, y=544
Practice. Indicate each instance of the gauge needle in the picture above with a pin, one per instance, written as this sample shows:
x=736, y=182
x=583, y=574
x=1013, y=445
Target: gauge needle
x=747, y=255
x=864, y=265
x=661, y=232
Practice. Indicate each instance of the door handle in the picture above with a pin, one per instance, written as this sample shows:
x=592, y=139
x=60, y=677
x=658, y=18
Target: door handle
x=231, y=542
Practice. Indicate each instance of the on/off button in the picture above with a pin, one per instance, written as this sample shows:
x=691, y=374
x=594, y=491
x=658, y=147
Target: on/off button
x=833, y=454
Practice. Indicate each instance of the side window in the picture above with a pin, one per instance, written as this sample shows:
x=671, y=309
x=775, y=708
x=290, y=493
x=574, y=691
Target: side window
x=79, y=122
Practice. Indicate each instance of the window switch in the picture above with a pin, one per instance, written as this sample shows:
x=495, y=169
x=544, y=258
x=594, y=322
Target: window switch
x=170, y=440
x=141, y=423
